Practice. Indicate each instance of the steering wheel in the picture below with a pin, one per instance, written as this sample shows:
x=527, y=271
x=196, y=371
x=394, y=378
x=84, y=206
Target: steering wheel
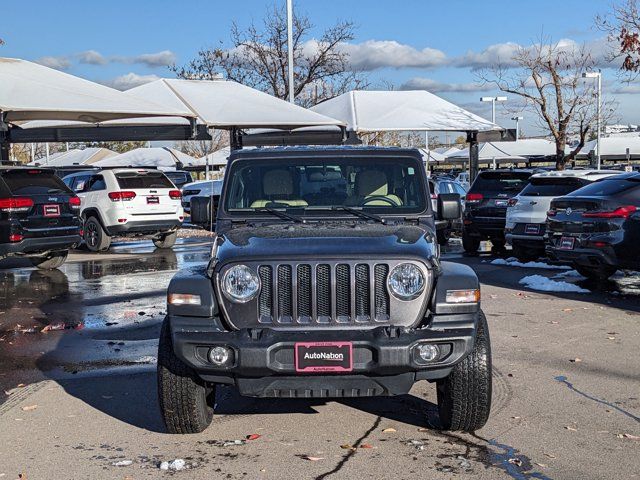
x=374, y=198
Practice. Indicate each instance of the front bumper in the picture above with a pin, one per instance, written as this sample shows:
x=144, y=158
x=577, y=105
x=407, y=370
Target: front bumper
x=145, y=227
x=39, y=245
x=588, y=257
x=384, y=362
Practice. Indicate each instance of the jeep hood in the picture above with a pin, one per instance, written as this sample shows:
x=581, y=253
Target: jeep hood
x=325, y=241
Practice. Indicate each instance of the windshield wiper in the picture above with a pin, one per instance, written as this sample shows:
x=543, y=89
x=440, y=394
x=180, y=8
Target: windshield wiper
x=359, y=213
x=280, y=214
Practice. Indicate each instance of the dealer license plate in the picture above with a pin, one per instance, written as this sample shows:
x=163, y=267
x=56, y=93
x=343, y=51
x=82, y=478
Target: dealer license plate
x=502, y=203
x=51, y=210
x=567, y=243
x=532, y=229
x=153, y=200
x=323, y=357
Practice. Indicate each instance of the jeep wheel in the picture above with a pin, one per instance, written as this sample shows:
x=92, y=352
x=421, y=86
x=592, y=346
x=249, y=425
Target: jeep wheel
x=464, y=397
x=599, y=274
x=443, y=236
x=183, y=395
x=469, y=243
x=95, y=237
x=51, y=261
x=166, y=240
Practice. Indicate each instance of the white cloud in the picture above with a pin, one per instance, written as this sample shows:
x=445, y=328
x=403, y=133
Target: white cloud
x=59, y=63
x=164, y=58
x=375, y=54
x=92, y=57
x=130, y=80
x=433, y=86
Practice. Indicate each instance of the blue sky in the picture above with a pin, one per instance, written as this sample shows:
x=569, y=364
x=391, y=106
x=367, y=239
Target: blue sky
x=409, y=43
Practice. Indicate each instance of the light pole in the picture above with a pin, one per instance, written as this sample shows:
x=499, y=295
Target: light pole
x=517, y=120
x=290, y=48
x=493, y=101
x=597, y=75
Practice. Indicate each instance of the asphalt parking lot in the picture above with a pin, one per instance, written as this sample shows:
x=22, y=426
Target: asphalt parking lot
x=77, y=365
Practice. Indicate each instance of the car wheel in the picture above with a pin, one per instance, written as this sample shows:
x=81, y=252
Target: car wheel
x=184, y=397
x=599, y=274
x=524, y=255
x=470, y=244
x=51, y=261
x=464, y=396
x=95, y=238
x=166, y=240
x=443, y=236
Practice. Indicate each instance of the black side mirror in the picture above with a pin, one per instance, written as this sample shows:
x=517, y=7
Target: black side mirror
x=449, y=206
x=203, y=210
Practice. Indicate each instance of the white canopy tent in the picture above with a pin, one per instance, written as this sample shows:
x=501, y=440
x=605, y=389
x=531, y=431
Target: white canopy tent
x=612, y=148
x=503, y=152
x=431, y=156
x=410, y=110
x=163, y=158
x=75, y=156
x=29, y=91
x=218, y=158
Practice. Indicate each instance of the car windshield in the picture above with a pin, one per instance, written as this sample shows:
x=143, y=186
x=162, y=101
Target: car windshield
x=551, y=187
x=606, y=187
x=383, y=185
x=144, y=179
x=500, y=182
x=33, y=182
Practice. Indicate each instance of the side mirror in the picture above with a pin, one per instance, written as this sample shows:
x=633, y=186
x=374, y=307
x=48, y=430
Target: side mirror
x=449, y=206
x=203, y=211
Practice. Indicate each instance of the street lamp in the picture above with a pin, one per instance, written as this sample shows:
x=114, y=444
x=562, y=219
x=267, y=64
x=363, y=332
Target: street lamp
x=517, y=120
x=290, y=49
x=493, y=101
x=597, y=75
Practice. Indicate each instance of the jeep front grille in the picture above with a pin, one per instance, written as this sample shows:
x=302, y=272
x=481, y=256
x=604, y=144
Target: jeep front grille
x=323, y=293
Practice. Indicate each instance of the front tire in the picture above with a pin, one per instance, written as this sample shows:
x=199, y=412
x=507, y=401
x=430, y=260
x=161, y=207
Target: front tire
x=442, y=236
x=51, y=261
x=95, y=238
x=166, y=240
x=184, y=397
x=464, y=397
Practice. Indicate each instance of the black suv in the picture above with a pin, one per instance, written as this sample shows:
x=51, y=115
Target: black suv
x=38, y=216
x=597, y=228
x=320, y=286
x=486, y=204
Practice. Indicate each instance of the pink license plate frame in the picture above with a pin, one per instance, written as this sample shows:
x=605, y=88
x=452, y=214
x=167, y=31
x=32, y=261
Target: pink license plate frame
x=318, y=365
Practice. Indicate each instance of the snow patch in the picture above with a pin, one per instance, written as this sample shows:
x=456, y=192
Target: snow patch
x=146, y=359
x=544, y=284
x=513, y=262
x=569, y=274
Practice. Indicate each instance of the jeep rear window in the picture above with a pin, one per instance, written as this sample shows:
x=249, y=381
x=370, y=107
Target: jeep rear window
x=135, y=180
x=33, y=182
x=551, y=187
x=500, y=182
x=315, y=185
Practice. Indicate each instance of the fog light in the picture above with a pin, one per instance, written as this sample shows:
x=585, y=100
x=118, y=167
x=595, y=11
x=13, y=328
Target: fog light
x=219, y=355
x=183, y=299
x=428, y=352
x=463, y=296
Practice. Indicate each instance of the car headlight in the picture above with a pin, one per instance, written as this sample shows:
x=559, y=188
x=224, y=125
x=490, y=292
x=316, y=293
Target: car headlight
x=406, y=281
x=240, y=284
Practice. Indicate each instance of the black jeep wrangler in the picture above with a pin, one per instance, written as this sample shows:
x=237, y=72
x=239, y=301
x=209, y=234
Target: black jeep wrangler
x=325, y=281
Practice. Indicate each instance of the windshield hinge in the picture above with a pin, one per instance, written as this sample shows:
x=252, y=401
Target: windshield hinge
x=414, y=220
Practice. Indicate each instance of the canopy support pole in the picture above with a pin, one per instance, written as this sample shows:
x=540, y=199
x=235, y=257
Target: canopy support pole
x=472, y=138
x=5, y=146
x=235, y=141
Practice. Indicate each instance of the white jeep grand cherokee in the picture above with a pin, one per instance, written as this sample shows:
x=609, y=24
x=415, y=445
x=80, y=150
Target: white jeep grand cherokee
x=127, y=202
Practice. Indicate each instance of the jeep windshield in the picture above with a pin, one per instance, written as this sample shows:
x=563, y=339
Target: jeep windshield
x=327, y=186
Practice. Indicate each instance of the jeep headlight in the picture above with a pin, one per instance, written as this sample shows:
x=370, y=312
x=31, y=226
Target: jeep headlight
x=406, y=281
x=240, y=284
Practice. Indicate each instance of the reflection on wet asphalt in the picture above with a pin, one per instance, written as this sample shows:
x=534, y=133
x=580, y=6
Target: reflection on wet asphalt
x=96, y=311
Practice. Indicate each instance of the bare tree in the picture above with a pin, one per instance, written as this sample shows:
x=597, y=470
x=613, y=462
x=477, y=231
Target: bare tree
x=200, y=148
x=258, y=58
x=118, y=147
x=622, y=26
x=547, y=78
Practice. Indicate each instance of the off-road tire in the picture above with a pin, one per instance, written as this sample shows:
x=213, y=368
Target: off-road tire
x=184, y=397
x=443, y=236
x=166, y=240
x=599, y=274
x=95, y=238
x=470, y=244
x=51, y=261
x=464, y=396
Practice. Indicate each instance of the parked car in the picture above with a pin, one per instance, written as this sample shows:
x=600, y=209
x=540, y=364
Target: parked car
x=127, y=202
x=204, y=188
x=316, y=296
x=445, y=184
x=463, y=179
x=39, y=216
x=597, y=228
x=180, y=178
x=527, y=211
x=486, y=206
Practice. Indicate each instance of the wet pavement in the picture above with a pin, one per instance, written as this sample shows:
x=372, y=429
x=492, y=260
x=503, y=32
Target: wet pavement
x=77, y=362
